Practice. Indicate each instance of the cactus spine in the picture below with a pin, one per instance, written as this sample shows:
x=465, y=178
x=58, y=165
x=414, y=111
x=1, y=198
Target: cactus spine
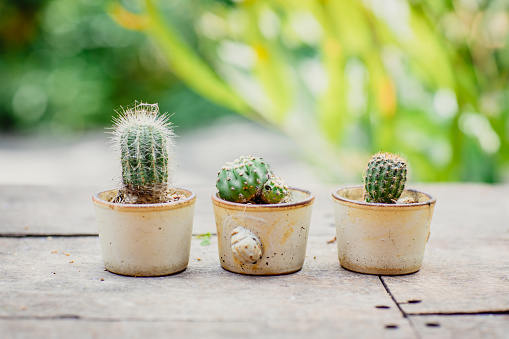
x=144, y=140
x=385, y=178
x=244, y=179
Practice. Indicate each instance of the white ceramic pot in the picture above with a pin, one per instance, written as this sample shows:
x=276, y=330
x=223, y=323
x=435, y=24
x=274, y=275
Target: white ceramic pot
x=145, y=239
x=385, y=239
x=263, y=239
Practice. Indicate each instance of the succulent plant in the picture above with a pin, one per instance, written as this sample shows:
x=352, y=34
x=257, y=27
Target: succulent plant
x=274, y=190
x=244, y=179
x=385, y=178
x=144, y=140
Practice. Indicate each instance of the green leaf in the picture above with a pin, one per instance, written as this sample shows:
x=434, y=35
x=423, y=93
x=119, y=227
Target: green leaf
x=205, y=239
x=271, y=68
x=188, y=66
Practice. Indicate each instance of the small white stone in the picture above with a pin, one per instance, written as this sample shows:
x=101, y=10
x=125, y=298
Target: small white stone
x=245, y=245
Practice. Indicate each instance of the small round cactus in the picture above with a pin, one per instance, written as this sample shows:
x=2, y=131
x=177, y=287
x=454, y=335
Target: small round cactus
x=274, y=190
x=241, y=180
x=385, y=178
x=144, y=140
x=250, y=180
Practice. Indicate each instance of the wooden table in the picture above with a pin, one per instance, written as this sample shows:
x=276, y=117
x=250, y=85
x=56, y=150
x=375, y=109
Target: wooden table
x=53, y=283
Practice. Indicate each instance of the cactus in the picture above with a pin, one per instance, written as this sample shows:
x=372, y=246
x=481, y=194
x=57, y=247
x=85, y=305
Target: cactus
x=250, y=180
x=241, y=180
x=144, y=140
x=385, y=178
x=274, y=190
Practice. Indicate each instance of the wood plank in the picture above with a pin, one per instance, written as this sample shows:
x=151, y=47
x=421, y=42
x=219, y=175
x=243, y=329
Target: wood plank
x=60, y=210
x=457, y=276
x=462, y=326
x=50, y=209
x=46, y=210
x=45, y=290
x=469, y=210
x=465, y=270
x=83, y=328
x=466, y=263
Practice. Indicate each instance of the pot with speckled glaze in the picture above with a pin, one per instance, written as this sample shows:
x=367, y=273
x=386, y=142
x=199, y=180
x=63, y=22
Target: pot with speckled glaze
x=383, y=239
x=263, y=239
x=145, y=239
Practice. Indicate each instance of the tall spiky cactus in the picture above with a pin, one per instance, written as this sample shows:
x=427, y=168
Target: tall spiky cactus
x=250, y=180
x=385, y=178
x=144, y=140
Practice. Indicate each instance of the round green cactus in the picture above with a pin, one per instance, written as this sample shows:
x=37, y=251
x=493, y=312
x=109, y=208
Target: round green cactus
x=385, y=178
x=242, y=180
x=274, y=190
x=144, y=139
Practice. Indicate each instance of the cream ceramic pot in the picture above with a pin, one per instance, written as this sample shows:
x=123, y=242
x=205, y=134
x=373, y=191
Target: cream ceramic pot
x=145, y=239
x=385, y=239
x=263, y=239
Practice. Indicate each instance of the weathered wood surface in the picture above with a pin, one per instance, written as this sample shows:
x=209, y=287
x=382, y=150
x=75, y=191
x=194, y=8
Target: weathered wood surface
x=462, y=326
x=473, y=210
x=463, y=285
x=68, y=291
x=466, y=264
x=46, y=210
x=462, y=276
x=53, y=210
x=50, y=210
x=433, y=327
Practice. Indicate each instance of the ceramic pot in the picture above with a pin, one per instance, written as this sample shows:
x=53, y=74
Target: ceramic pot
x=264, y=239
x=145, y=239
x=384, y=239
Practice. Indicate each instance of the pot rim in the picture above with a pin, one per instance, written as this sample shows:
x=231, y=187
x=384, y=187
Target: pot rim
x=144, y=207
x=371, y=205
x=216, y=200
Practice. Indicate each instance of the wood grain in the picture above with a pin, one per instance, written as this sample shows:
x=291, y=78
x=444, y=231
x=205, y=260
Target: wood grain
x=466, y=263
x=48, y=289
x=462, y=326
x=57, y=286
x=59, y=210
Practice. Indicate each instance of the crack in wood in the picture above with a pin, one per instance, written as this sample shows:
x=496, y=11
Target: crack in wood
x=392, y=297
x=35, y=317
x=91, y=319
x=47, y=235
x=60, y=235
x=503, y=312
x=405, y=315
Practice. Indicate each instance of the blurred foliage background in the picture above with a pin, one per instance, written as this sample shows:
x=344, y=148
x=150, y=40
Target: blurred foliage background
x=425, y=78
